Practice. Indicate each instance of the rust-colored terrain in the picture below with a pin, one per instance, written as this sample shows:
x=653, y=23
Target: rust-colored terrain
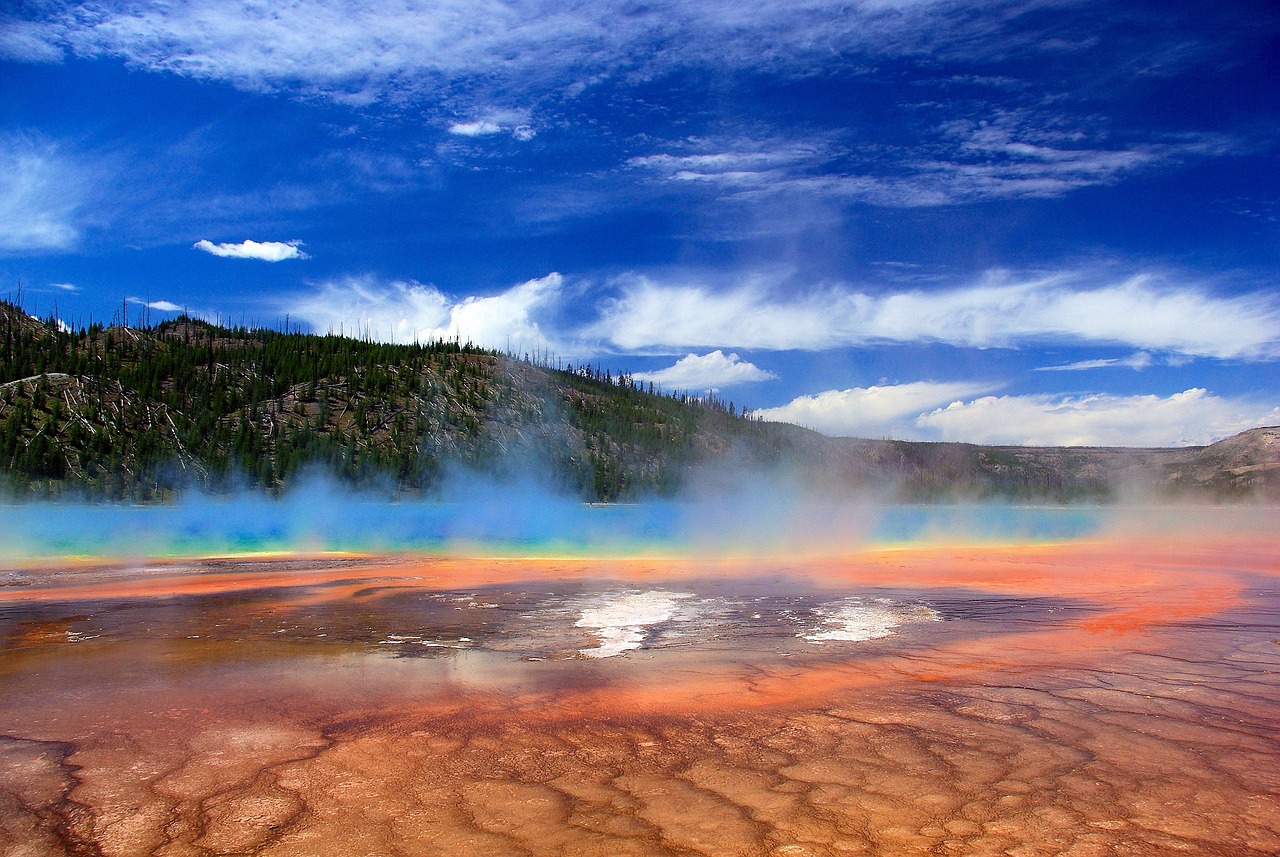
x=1115, y=697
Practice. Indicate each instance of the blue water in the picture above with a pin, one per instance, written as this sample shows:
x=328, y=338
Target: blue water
x=508, y=523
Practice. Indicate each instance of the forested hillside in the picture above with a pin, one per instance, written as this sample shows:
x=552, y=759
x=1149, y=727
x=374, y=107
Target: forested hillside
x=144, y=413
x=124, y=412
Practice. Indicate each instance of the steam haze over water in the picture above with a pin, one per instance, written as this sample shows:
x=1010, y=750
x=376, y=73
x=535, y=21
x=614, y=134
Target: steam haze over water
x=512, y=523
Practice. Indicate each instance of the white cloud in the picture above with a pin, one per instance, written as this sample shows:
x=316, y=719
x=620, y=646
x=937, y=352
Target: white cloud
x=1142, y=311
x=27, y=41
x=40, y=192
x=479, y=128
x=949, y=177
x=709, y=372
x=65, y=287
x=1016, y=154
x=1192, y=417
x=406, y=311
x=359, y=52
x=877, y=411
x=733, y=164
x=1020, y=154
x=1138, y=360
x=267, y=251
x=927, y=410
x=650, y=315
x=162, y=306
x=497, y=121
x=459, y=54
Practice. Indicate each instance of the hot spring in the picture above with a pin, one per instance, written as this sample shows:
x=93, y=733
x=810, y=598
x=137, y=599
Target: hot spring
x=349, y=676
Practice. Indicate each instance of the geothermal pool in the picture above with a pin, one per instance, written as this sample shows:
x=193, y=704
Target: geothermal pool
x=1081, y=687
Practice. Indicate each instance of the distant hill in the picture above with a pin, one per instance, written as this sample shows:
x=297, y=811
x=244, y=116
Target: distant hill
x=127, y=413
x=1243, y=467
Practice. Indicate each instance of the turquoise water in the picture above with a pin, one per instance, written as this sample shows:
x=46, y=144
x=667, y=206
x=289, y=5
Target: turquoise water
x=508, y=523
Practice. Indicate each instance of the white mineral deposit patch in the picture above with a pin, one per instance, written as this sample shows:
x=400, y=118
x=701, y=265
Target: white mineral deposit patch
x=856, y=619
x=620, y=620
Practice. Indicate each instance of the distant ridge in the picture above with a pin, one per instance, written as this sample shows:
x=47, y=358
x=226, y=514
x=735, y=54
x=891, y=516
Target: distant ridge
x=144, y=413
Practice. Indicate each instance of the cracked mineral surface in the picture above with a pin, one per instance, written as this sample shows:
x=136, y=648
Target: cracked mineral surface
x=1119, y=696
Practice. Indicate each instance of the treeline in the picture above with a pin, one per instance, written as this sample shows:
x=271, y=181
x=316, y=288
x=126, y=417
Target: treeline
x=141, y=412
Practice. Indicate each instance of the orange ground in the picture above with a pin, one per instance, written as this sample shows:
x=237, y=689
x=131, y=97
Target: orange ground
x=1138, y=712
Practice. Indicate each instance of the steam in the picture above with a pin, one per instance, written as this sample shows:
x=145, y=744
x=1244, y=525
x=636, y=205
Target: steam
x=725, y=510
x=481, y=516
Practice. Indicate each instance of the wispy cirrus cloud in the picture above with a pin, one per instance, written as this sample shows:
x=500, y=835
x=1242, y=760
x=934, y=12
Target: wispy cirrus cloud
x=1019, y=154
x=1000, y=310
x=1192, y=417
x=28, y=40
x=360, y=52
x=1138, y=360
x=480, y=70
x=266, y=251
x=709, y=371
x=734, y=163
x=41, y=192
x=377, y=49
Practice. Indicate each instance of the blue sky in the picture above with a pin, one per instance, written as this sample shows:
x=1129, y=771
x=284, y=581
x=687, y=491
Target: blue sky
x=1023, y=222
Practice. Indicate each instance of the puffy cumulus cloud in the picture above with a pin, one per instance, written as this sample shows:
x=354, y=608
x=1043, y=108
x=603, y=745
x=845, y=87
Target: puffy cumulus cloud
x=879, y=411
x=479, y=128
x=927, y=410
x=509, y=319
x=497, y=121
x=267, y=251
x=161, y=305
x=710, y=371
x=407, y=311
x=396, y=311
x=1192, y=417
x=40, y=192
x=1142, y=311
